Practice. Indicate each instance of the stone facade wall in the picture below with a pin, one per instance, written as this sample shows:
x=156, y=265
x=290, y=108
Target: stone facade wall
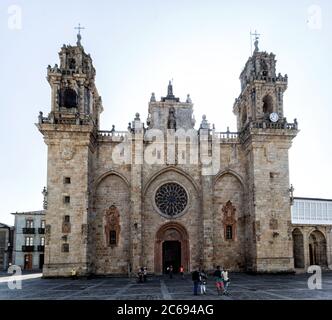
x=229, y=253
x=269, y=184
x=112, y=190
x=68, y=156
x=191, y=219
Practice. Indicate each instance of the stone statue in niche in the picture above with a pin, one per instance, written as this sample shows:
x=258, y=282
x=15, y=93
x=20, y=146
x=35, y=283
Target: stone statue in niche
x=171, y=119
x=66, y=228
x=112, y=223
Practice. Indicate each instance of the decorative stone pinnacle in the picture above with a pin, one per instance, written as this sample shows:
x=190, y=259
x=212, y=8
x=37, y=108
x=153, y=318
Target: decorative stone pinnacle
x=153, y=97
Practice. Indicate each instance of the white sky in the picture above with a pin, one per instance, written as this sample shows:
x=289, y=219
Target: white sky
x=137, y=46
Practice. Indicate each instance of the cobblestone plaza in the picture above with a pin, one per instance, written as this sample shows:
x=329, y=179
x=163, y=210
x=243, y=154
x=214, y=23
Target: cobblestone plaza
x=242, y=287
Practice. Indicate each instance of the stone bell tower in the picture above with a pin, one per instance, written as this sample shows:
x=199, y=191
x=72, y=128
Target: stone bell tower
x=266, y=137
x=261, y=89
x=70, y=132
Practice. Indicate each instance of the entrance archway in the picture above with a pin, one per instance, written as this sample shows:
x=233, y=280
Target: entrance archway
x=298, y=248
x=171, y=255
x=171, y=248
x=317, y=249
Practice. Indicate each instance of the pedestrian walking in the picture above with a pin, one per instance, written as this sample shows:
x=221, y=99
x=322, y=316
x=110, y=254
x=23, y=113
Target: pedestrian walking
x=195, y=279
x=170, y=271
x=145, y=274
x=182, y=272
x=226, y=280
x=219, y=280
x=73, y=273
x=203, y=281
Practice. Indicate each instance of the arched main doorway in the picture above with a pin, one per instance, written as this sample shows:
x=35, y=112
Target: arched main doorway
x=171, y=247
x=317, y=249
x=298, y=248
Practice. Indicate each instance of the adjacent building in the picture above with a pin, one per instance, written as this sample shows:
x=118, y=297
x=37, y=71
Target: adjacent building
x=312, y=232
x=6, y=246
x=29, y=240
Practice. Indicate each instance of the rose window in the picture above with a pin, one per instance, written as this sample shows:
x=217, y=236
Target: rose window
x=171, y=199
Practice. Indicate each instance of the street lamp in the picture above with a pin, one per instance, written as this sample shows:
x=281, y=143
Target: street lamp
x=291, y=196
x=44, y=193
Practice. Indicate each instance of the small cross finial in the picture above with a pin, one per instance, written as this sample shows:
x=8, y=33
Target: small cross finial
x=256, y=40
x=79, y=37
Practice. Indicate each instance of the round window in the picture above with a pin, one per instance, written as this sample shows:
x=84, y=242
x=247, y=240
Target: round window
x=171, y=199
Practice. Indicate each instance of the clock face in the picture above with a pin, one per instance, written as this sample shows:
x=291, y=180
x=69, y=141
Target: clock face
x=274, y=117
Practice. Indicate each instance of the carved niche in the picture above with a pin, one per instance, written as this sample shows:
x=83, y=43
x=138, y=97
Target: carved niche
x=229, y=221
x=112, y=226
x=66, y=226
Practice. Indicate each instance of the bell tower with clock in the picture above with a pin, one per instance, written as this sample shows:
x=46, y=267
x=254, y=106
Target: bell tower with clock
x=262, y=91
x=70, y=132
x=266, y=137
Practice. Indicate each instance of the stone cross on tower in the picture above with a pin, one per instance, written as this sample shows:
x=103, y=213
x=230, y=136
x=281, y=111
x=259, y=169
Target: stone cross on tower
x=79, y=37
x=256, y=40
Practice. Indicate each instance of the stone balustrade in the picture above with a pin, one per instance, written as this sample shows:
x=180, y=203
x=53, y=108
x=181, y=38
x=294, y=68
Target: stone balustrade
x=227, y=137
x=112, y=135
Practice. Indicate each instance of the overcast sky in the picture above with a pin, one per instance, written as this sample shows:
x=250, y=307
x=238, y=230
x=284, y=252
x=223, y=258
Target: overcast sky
x=137, y=46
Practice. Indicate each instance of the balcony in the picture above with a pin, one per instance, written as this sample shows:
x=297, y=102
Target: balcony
x=29, y=230
x=41, y=230
x=41, y=248
x=28, y=248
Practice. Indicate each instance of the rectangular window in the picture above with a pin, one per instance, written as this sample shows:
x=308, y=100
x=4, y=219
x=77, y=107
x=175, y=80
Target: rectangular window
x=67, y=219
x=65, y=247
x=42, y=224
x=112, y=237
x=42, y=241
x=29, y=223
x=66, y=199
x=29, y=241
x=229, y=232
x=66, y=180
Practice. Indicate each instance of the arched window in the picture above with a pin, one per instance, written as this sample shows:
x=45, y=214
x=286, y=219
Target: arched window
x=69, y=98
x=317, y=249
x=72, y=64
x=267, y=105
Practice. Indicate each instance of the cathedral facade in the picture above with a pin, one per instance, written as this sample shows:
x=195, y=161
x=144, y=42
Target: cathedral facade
x=163, y=193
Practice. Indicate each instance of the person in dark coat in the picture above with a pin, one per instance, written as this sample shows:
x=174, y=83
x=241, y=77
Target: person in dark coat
x=195, y=278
